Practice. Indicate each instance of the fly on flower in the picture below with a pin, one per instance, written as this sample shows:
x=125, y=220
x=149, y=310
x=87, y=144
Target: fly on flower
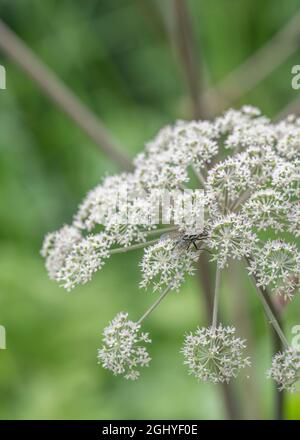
x=254, y=187
x=185, y=241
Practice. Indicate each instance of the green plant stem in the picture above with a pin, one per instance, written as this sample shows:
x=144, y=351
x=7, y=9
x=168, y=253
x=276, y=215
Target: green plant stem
x=155, y=304
x=232, y=407
x=279, y=395
x=216, y=297
x=279, y=341
x=270, y=311
x=133, y=247
x=162, y=231
x=199, y=176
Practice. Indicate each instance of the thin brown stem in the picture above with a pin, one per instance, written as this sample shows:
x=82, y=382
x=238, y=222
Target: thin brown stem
x=279, y=395
x=61, y=95
x=278, y=339
x=133, y=247
x=205, y=281
x=155, y=304
x=162, y=230
x=270, y=310
x=187, y=50
x=216, y=297
x=190, y=63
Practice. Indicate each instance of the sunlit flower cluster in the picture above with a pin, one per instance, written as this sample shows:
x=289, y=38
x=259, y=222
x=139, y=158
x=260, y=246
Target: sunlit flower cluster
x=248, y=169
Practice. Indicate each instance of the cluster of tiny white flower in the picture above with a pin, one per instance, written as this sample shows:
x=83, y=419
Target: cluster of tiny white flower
x=285, y=369
x=122, y=352
x=165, y=267
x=57, y=246
x=72, y=259
x=231, y=236
x=214, y=354
x=277, y=265
x=267, y=208
x=252, y=186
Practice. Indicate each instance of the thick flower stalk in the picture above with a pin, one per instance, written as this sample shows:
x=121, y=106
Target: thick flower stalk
x=247, y=170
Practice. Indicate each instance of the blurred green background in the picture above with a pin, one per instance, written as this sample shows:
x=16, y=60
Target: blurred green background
x=118, y=57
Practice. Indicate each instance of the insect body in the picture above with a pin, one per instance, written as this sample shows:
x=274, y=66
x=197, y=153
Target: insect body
x=185, y=241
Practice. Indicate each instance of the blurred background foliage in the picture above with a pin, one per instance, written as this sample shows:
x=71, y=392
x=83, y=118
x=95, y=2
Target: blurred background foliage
x=118, y=57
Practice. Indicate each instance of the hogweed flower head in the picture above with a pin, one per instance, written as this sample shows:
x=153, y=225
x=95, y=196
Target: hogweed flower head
x=249, y=191
x=285, y=369
x=214, y=354
x=256, y=187
x=123, y=351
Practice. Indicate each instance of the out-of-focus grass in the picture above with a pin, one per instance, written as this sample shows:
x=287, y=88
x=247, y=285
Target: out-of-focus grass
x=116, y=56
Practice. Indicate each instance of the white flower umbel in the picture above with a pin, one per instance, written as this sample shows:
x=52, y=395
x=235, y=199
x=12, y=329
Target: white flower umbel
x=166, y=263
x=230, y=236
x=277, y=265
x=57, y=246
x=84, y=258
x=259, y=179
x=267, y=208
x=196, y=142
x=285, y=369
x=286, y=177
x=247, y=170
x=288, y=134
x=257, y=132
x=229, y=178
x=123, y=352
x=214, y=354
x=232, y=118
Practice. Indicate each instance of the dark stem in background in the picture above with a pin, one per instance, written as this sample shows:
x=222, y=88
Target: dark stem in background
x=277, y=344
x=190, y=63
x=279, y=395
x=239, y=310
x=255, y=69
x=189, y=54
x=205, y=280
